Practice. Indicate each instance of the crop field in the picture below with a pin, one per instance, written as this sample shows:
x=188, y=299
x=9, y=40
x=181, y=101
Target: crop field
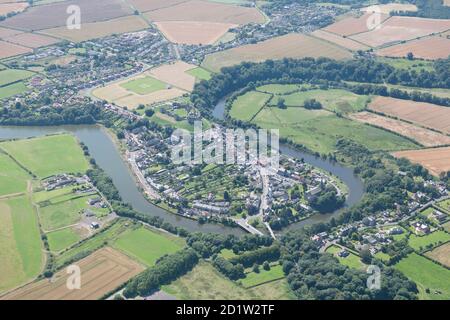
x=248, y=105
x=351, y=261
x=441, y=254
x=144, y=85
x=146, y=5
x=425, y=137
x=13, y=179
x=436, y=160
x=200, y=73
x=425, y=114
x=387, y=8
x=20, y=247
x=352, y=25
x=335, y=100
x=194, y=32
x=431, y=48
x=197, y=10
x=397, y=29
x=49, y=155
x=253, y=279
x=340, y=40
x=288, y=46
x=319, y=130
x=175, y=74
x=102, y=272
x=13, y=75
x=6, y=8
x=54, y=14
x=147, y=246
x=433, y=239
x=32, y=40
x=100, y=29
x=427, y=275
x=9, y=50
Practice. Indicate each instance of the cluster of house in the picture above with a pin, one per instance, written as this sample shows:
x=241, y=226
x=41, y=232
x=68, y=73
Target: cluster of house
x=64, y=180
x=192, y=114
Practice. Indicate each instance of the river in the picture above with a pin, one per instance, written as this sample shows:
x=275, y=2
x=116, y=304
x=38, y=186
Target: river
x=105, y=153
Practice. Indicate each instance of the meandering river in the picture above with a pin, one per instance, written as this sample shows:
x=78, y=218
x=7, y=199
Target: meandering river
x=105, y=153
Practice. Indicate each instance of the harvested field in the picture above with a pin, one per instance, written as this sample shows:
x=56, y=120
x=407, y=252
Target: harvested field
x=10, y=50
x=432, y=48
x=292, y=45
x=175, y=74
x=101, y=272
x=32, y=40
x=425, y=137
x=397, y=29
x=441, y=254
x=388, y=8
x=149, y=5
x=352, y=25
x=197, y=10
x=54, y=14
x=95, y=30
x=193, y=32
x=425, y=114
x=339, y=40
x=447, y=3
x=436, y=160
x=6, y=8
x=5, y=32
x=116, y=93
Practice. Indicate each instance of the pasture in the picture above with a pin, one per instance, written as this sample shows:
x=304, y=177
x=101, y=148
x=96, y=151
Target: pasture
x=21, y=255
x=436, y=160
x=64, y=238
x=50, y=155
x=9, y=76
x=200, y=73
x=288, y=46
x=425, y=137
x=431, y=240
x=13, y=179
x=246, y=106
x=103, y=271
x=253, y=279
x=427, y=275
x=319, y=130
x=147, y=246
x=424, y=114
x=441, y=254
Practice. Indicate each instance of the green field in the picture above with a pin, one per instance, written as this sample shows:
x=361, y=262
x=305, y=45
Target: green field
x=61, y=239
x=12, y=90
x=253, y=279
x=227, y=254
x=48, y=155
x=62, y=214
x=402, y=63
x=144, y=85
x=196, y=285
x=446, y=226
x=11, y=75
x=421, y=242
x=200, y=73
x=427, y=275
x=13, y=179
x=148, y=246
x=335, y=100
x=246, y=106
x=445, y=205
x=52, y=195
x=352, y=260
x=280, y=89
x=21, y=257
x=319, y=130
